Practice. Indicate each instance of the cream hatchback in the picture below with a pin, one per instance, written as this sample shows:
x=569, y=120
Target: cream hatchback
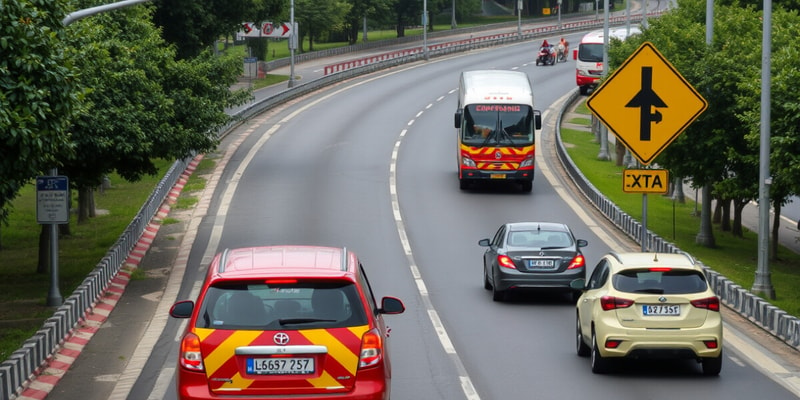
x=648, y=305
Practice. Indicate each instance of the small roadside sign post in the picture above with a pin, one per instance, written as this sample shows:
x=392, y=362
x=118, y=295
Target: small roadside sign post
x=646, y=103
x=52, y=207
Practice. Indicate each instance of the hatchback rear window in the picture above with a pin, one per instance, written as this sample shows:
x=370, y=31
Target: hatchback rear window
x=660, y=282
x=284, y=306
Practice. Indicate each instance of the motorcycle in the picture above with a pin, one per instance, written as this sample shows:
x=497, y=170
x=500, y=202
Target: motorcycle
x=546, y=56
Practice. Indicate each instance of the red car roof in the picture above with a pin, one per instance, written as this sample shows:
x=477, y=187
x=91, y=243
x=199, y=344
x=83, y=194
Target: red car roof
x=283, y=261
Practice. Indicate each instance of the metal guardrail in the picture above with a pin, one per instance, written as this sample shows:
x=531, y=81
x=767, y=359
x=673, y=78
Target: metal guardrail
x=754, y=308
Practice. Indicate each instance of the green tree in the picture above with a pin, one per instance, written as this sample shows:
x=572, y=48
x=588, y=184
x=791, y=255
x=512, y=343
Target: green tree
x=141, y=104
x=784, y=162
x=318, y=16
x=361, y=10
x=38, y=93
x=194, y=25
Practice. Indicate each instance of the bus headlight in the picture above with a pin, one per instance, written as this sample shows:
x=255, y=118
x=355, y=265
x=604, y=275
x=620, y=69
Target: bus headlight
x=467, y=162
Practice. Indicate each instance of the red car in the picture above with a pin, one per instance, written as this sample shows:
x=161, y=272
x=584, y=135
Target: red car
x=285, y=322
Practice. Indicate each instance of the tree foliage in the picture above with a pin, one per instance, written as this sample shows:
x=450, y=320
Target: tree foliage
x=721, y=148
x=317, y=16
x=194, y=25
x=141, y=104
x=38, y=93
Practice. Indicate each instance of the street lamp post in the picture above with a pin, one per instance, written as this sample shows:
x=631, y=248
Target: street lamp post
x=292, y=42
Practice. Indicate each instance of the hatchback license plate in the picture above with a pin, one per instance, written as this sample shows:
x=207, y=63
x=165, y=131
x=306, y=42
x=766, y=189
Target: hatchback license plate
x=662, y=309
x=280, y=366
x=540, y=263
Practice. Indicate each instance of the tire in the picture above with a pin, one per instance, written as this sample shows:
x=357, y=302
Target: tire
x=580, y=345
x=527, y=186
x=599, y=363
x=712, y=365
x=463, y=184
x=584, y=90
x=486, y=284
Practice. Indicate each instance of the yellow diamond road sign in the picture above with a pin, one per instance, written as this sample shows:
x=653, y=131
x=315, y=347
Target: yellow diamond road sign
x=646, y=103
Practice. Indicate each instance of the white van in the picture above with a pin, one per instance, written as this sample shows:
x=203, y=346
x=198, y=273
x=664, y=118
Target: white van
x=589, y=56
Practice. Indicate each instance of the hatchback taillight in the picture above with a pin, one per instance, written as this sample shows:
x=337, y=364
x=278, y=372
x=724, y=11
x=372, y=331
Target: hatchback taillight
x=710, y=303
x=506, y=262
x=577, y=262
x=612, y=303
x=371, y=349
x=190, y=356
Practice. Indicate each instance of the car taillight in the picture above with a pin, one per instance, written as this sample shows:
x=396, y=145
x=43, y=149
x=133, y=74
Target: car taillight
x=506, y=262
x=190, y=357
x=577, y=262
x=371, y=349
x=612, y=303
x=710, y=303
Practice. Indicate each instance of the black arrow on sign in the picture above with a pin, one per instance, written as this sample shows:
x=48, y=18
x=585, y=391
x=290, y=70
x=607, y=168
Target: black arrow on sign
x=646, y=99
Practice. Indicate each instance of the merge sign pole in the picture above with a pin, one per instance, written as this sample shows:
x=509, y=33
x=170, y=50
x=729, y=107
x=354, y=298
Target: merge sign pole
x=52, y=207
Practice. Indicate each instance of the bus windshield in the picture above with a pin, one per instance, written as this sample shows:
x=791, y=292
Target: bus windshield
x=590, y=52
x=497, y=125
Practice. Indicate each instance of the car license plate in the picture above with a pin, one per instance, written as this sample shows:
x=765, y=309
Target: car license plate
x=280, y=366
x=540, y=263
x=497, y=176
x=662, y=309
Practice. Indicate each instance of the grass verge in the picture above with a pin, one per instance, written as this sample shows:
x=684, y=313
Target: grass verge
x=735, y=258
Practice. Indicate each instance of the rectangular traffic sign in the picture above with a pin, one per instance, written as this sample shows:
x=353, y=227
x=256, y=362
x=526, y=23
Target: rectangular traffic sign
x=52, y=200
x=645, y=181
x=265, y=29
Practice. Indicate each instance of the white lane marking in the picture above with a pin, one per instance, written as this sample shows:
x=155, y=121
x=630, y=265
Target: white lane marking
x=466, y=383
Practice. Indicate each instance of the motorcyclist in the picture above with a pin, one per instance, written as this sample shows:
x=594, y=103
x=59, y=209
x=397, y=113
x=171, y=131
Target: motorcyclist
x=563, y=49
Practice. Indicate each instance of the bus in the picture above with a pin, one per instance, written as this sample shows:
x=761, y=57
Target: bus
x=496, y=127
x=589, y=57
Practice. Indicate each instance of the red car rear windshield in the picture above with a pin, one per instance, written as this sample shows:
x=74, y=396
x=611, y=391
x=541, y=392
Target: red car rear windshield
x=285, y=306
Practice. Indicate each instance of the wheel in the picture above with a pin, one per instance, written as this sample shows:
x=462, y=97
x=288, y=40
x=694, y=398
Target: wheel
x=712, y=365
x=581, y=347
x=486, y=284
x=584, y=90
x=463, y=184
x=527, y=186
x=599, y=363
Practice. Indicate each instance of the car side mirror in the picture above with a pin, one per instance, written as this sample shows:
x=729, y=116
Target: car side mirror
x=457, y=119
x=483, y=242
x=578, y=284
x=391, y=305
x=582, y=243
x=182, y=309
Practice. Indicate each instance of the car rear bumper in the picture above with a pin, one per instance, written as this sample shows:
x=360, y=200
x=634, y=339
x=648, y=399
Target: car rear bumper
x=506, y=279
x=660, y=343
x=193, y=386
x=583, y=80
